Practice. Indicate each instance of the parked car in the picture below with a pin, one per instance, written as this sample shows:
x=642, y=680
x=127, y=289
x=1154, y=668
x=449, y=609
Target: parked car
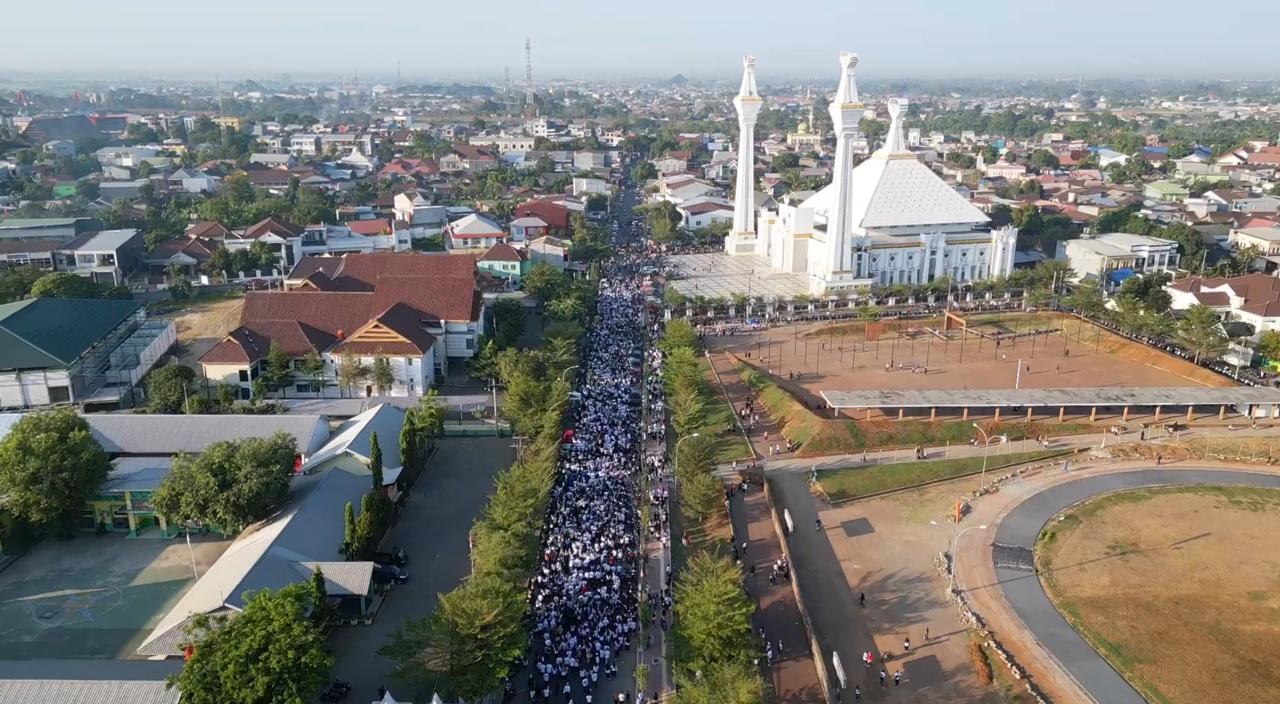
x=385, y=574
x=394, y=556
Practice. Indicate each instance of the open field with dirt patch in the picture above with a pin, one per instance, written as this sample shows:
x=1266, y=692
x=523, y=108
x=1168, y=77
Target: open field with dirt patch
x=203, y=323
x=1055, y=351
x=1179, y=588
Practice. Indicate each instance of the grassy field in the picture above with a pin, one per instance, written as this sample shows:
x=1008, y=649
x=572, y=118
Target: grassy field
x=730, y=445
x=851, y=482
x=1154, y=580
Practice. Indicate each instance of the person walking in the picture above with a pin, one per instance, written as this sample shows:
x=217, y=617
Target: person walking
x=897, y=678
x=926, y=634
x=817, y=525
x=857, y=693
x=883, y=675
x=906, y=645
x=862, y=599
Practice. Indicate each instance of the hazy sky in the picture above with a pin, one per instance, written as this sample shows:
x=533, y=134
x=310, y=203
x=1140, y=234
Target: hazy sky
x=436, y=40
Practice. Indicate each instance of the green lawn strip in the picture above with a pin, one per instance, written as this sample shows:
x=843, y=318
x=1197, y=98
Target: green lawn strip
x=730, y=445
x=851, y=482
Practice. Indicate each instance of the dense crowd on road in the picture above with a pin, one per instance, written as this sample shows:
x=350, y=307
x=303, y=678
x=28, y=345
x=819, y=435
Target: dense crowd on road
x=584, y=593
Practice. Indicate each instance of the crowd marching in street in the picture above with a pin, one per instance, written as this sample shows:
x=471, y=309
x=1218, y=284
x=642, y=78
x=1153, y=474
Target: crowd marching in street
x=584, y=593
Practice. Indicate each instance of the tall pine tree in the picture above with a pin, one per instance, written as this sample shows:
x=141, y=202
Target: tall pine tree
x=375, y=461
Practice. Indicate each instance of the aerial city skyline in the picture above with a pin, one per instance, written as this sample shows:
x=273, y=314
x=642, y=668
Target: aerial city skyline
x=660, y=354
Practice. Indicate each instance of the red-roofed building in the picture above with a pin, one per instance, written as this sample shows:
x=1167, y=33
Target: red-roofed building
x=1252, y=299
x=504, y=261
x=553, y=210
x=415, y=310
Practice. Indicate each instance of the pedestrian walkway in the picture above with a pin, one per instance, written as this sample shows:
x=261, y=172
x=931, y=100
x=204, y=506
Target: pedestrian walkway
x=794, y=679
x=838, y=622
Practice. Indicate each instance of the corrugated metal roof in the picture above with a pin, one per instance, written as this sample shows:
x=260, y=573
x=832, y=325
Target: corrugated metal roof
x=86, y=692
x=341, y=578
x=146, y=434
x=353, y=437
x=53, y=332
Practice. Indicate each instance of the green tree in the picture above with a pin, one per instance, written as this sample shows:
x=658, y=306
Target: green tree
x=87, y=189
x=469, y=642
x=700, y=496
x=545, y=282
x=375, y=461
x=278, y=371
x=49, y=465
x=508, y=322
x=721, y=683
x=786, y=160
x=229, y=485
x=62, y=284
x=1200, y=333
x=679, y=333
x=712, y=613
x=484, y=364
x=372, y=523
x=1269, y=345
x=382, y=376
x=320, y=609
x=16, y=283
x=268, y=653
x=168, y=388
x=349, y=531
x=644, y=171
x=1086, y=298
x=351, y=371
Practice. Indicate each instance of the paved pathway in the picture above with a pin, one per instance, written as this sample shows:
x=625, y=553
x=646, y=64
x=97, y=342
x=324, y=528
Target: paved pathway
x=838, y=622
x=794, y=679
x=1022, y=588
x=433, y=529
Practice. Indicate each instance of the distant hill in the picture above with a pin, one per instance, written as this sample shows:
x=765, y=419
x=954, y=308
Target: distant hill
x=678, y=80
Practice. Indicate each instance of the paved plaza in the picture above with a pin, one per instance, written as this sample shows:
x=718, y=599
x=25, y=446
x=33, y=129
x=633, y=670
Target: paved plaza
x=718, y=275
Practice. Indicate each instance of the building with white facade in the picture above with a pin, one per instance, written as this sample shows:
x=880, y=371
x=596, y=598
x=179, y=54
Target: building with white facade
x=1114, y=256
x=891, y=220
x=1253, y=299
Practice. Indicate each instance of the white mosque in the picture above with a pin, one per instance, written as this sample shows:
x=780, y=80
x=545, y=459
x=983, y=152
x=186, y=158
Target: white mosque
x=891, y=220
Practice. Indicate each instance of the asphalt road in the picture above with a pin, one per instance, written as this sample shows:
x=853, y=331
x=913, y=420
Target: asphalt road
x=1017, y=534
x=433, y=529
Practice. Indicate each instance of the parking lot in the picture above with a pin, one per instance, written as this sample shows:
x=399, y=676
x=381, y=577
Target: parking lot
x=94, y=596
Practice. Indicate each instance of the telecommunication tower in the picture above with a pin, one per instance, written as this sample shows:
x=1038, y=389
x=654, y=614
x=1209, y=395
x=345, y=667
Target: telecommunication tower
x=530, y=110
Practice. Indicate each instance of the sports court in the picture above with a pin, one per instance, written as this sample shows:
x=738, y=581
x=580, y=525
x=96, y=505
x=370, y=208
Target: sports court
x=94, y=596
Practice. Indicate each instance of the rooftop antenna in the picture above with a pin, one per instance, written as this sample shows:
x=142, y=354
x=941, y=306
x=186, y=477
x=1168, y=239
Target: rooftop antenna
x=530, y=110
x=397, y=73
x=506, y=81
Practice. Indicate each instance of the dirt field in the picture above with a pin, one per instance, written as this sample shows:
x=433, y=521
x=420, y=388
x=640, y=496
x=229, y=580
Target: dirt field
x=203, y=324
x=1156, y=581
x=1055, y=351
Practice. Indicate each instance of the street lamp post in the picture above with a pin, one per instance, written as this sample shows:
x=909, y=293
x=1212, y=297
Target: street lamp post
x=675, y=455
x=986, y=446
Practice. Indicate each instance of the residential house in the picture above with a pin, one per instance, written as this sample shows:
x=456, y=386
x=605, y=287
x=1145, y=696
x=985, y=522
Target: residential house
x=555, y=211
x=63, y=229
x=1113, y=257
x=408, y=168
x=465, y=157
x=549, y=250
x=589, y=160
x=1252, y=299
x=415, y=310
x=1166, y=192
x=275, y=161
x=527, y=228
x=473, y=232
x=305, y=145
x=584, y=187
x=670, y=165
x=87, y=352
x=40, y=254
x=189, y=254
x=1265, y=239
x=504, y=261
x=422, y=218
x=107, y=257
x=207, y=229
x=284, y=239
x=1239, y=200
x=112, y=191
x=704, y=213
x=192, y=181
